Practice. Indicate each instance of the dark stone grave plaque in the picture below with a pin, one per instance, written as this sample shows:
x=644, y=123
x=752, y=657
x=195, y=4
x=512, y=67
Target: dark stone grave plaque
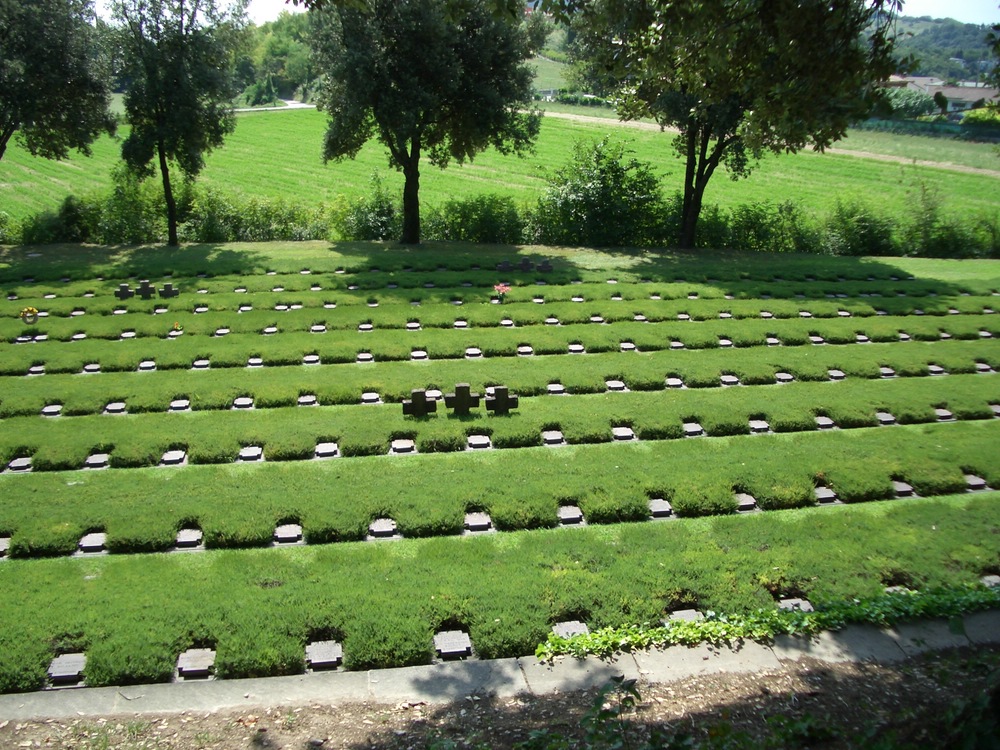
x=173, y=458
x=180, y=404
x=558, y=389
x=783, y=377
x=52, y=410
x=195, y=664
x=255, y=362
x=824, y=495
x=383, y=528
x=473, y=352
x=369, y=397
x=91, y=367
x=525, y=265
x=943, y=415
x=188, y=538
x=478, y=522
x=326, y=450
x=885, y=418
x=478, y=442
x=22, y=464
x=311, y=359
x=674, y=383
x=552, y=321
x=902, y=489
x=250, y=453
x=307, y=399
x=200, y=364
x=462, y=400
x=693, y=429
x=418, y=405
x=324, y=655
x=570, y=515
x=801, y=605
x=660, y=508
x=146, y=290
x=836, y=374
x=402, y=446
x=92, y=543
x=545, y=266
x=729, y=380
x=501, y=402
x=418, y=355
x=66, y=670
x=615, y=385
x=97, y=461
x=452, y=644
x=525, y=350
x=318, y=328
x=569, y=628
x=620, y=434
x=758, y=426
x=288, y=533
x=147, y=365
x=124, y=292
x=745, y=503
x=975, y=483
x=243, y=402
x=553, y=437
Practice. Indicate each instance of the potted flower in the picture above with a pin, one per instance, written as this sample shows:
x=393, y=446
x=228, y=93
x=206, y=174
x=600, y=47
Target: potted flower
x=501, y=290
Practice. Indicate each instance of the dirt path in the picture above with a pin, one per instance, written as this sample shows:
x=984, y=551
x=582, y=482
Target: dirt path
x=995, y=173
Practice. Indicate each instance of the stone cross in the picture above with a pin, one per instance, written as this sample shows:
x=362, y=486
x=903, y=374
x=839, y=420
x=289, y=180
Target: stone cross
x=526, y=265
x=545, y=266
x=462, y=400
x=418, y=405
x=124, y=292
x=501, y=402
x=168, y=290
x=146, y=290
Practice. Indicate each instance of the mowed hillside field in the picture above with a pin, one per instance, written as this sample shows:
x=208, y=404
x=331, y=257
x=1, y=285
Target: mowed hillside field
x=277, y=155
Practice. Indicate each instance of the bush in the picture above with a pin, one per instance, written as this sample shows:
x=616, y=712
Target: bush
x=372, y=218
x=488, y=219
x=854, y=229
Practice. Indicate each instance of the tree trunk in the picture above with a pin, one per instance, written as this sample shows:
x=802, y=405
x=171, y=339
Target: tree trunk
x=168, y=196
x=411, y=199
x=691, y=206
x=5, y=136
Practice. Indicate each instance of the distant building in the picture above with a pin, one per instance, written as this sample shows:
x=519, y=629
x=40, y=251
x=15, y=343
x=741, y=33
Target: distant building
x=961, y=96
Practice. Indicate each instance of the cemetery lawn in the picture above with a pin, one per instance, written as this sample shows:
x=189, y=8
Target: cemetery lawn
x=856, y=450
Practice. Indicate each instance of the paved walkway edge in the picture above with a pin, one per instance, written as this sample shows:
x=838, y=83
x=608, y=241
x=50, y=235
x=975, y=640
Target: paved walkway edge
x=441, y=683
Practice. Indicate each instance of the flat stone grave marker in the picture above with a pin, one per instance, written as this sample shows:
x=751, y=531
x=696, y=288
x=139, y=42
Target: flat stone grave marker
x=126, y=335
x=577, y=298
x=307, y=399
x=887, y=372
x=370, y=397
x=983, y=367
x=725, y=315
x=329, y=305
x=4, y=545
x=173, y=458
x=277, y=288
x=473, y=352
x=372, y=302
x=305, y=272
x=524, y=350
x=196, y=664
x=52, y=410
x=255, y=362
x=936, y=370
x=66, y=670
x=616, y=385
x=783, y=377
x=836, y=374
x=975, y=483
x=508, y=323
x=984, y=334
x=383, y=528
x=655, y=297
x=596, y=319
x=801, y=605
x=243, y=402
x=885, y=418
x=825, y=495
x=538, y=300
x=288, y=533
x=188, y=538
x=324, y=655
x=479, y=442
x=402, y=446
x=693, y=429
x=805, y=314
x=250, y=453
x=990, y=581
x=552, y=321
x=364, y=357
x=627, y=346
x=124, y=292
x=478, y=522
x=97, y=461
x=622, y=433
x=22, y=464
x=418, y=355
x=683, y=316
x=311, y=359
x=418, y=405
x=758, y=426
x=725, y=343
x=553, y=437
x=175, y=333
x=77, y=313
x=660, y=508
x=844, y=313
x=773, y=341
x=460, y=324
x=943, y=414
x=902, y=489
x=862, y=339
x=219, y=332
x=92, y=543
x=745, y=502
x=817, y=340
x=365, y=327
x=676, y=344
x=729, y=380
x=996, y=409
x=200, y=364
x=452, y=644
x=569, y=628
x=501, y=402
x=91, y=367
x=202, y=309
x=558, y=389
x=640, y=318
x=23, y=339
x=462, y=400
x=147, y=365
x=413, y=325
x=317, y=328
x=903, y=336
x=685, y=615
x=526, y=265
x=570, y=515
x=612, y=281
x=180, y=404
x=326, y=450
x=428, y=285
x=674, y=383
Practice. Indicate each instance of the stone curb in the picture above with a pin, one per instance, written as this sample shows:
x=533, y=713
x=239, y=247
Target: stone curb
x=451, y=681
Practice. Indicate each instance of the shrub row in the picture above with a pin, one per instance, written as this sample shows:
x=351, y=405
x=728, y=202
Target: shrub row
x=133, y=615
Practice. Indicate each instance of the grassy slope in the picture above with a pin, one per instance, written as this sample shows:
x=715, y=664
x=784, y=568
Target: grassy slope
x=277, y=155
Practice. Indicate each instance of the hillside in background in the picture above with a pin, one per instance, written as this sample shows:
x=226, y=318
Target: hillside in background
x=945, y=48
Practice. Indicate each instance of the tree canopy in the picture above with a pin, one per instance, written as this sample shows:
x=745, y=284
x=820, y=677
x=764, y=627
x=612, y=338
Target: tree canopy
x=738, y=78
x=424, y=81
x=51, y=91
x=178, y=59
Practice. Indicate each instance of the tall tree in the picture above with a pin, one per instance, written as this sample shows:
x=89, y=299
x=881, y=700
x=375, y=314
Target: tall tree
x=422, y=79
x=51, y=91
x=179, y=59
x=738, y=78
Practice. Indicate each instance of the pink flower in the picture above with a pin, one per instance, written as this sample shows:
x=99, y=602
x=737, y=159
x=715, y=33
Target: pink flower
x=501, y=289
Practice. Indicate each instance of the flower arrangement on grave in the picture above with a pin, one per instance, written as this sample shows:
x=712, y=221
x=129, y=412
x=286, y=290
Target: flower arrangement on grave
x=178, y=326
x=29, y=316
x=501, y=290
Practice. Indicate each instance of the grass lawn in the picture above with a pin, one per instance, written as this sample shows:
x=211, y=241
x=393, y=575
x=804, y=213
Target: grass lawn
x=258, y=601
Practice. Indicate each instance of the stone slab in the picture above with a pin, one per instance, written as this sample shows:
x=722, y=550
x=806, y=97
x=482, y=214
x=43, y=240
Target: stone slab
x=449, y=681
x=983, y=627
x=921, y=636
x=565, y=674
x=679, y=662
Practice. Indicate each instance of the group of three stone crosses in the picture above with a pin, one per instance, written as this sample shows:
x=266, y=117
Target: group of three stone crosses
x=500, y=401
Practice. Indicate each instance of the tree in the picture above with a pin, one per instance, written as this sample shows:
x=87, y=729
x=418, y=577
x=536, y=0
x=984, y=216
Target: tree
x=909, y=103
x=941, y=101
x=423, y=80
x=179, y=62
x=738, y=78
x=51, y=91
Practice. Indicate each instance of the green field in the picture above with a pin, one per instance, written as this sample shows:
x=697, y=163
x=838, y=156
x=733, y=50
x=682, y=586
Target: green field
x=277, y=155
x=872, y=379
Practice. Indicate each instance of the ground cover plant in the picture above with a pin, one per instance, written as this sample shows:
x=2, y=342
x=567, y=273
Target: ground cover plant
x=859, y=380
